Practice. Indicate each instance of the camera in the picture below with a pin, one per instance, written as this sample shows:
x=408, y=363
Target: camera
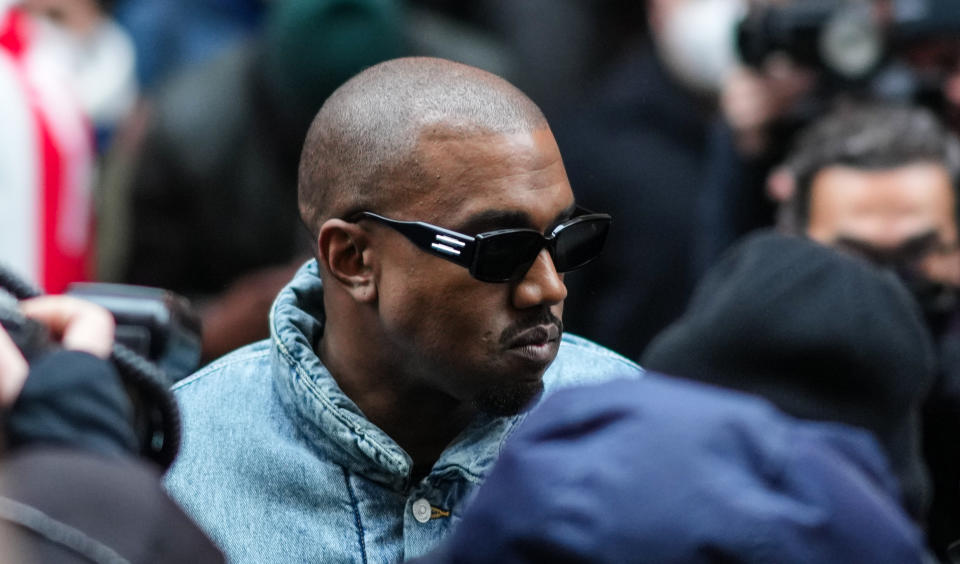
x=852, y=40
x=156, y=342
x=157, y=324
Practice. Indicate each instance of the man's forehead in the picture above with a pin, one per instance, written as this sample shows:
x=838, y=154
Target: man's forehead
x=885, y=205
x=490, y=178
x=454, y=146
x=908, y=185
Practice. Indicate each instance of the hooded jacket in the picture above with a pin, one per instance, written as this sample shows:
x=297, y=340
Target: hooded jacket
x=663, y=470
x=277, y=464
x=823, y=335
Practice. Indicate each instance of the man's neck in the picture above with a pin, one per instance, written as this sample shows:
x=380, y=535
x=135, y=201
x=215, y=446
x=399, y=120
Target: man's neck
x=422, y=420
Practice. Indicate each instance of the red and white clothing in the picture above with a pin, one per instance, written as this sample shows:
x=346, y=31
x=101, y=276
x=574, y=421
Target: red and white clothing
x=46, y=160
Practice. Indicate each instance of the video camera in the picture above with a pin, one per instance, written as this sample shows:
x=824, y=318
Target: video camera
x=852, y=40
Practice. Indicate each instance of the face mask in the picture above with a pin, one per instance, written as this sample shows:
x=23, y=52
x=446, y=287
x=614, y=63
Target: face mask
x=937, y=300
x=100, y=67
x=697, y=42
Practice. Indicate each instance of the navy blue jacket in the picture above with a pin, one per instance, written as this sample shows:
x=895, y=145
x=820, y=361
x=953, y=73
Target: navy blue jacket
x=662, y=470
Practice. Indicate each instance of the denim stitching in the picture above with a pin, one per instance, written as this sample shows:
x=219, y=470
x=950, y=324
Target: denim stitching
x=356, y=514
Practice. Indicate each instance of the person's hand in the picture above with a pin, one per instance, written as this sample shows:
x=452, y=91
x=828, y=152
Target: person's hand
x=753, y=100
x=13, y=370
x=76, y=324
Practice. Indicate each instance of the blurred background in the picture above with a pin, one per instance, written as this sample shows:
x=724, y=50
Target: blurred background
x=155, y=142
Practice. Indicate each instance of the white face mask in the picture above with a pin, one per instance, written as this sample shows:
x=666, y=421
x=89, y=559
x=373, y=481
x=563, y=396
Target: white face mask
x=101, y=67
x=698, y=42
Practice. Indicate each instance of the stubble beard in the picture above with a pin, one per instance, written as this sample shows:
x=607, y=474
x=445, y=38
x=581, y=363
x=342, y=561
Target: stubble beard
x=509, y=399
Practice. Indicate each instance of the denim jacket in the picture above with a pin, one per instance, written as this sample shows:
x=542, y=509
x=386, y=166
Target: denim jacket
x=277, y=464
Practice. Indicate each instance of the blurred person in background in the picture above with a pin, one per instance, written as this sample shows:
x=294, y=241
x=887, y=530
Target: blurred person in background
x=881, y=181
x=98, y=55
x=553, y=48
x=171, y=35
x=205, y=202
x=796, y=61
x=637, y=141
x=822, y=335
x=72, y=487
x=46, y=155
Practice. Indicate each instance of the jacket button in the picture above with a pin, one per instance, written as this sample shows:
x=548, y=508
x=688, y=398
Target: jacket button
x=421, y=510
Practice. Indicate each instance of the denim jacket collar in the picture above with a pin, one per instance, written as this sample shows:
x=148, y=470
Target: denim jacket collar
x=333, y=423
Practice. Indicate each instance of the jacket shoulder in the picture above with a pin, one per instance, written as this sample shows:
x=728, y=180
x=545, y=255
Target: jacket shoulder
x=245, y=358
x=581, y=361
x=240, y=374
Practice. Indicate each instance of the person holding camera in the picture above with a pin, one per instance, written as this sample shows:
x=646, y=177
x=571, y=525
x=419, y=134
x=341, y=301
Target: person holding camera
x=71, y=487
x=797, y=61
x=73, y=396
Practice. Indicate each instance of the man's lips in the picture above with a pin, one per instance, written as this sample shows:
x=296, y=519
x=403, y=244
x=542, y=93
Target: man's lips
x=536, y=346
x=537, y=336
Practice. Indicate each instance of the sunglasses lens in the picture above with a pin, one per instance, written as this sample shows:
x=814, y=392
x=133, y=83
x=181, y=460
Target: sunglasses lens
x=506, y=256
x=579, y=243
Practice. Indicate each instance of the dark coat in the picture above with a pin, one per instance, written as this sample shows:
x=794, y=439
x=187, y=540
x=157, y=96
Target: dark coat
x=71, y=487
x=663, y=470
x=59, y=505
x=636, y=148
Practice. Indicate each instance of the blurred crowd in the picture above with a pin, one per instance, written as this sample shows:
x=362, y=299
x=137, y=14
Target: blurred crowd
x=156, y=143
x=160, y=139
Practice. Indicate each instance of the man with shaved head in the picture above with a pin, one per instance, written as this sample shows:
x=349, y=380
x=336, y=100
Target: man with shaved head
x=406, y=352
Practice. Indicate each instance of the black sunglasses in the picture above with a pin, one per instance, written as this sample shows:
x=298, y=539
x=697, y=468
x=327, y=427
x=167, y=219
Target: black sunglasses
x=505, y=255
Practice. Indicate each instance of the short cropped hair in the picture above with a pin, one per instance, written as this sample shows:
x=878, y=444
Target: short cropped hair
x=360, y=148
x=869, y=137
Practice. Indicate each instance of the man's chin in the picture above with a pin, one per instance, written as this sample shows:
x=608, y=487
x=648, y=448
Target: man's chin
x=511, y=399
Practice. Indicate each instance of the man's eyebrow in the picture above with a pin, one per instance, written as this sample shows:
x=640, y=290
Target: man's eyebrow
x=489, y=220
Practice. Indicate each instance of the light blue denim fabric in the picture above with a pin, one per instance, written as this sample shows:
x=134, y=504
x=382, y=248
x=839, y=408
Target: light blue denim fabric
x=279, y=465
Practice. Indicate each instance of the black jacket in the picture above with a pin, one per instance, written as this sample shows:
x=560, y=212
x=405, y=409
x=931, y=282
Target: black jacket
x=71, y=489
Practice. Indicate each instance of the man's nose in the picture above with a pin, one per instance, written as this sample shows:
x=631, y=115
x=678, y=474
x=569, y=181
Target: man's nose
x=541, y=285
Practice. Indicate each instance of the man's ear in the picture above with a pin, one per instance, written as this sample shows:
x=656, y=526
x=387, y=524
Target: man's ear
x=344, y=254
x=782, y=189
x=781, y=185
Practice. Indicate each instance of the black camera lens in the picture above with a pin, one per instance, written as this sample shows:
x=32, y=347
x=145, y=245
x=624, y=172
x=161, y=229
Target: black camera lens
x=839, y=36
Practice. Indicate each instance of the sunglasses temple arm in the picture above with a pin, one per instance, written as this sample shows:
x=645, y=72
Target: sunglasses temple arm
x=449, y=245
